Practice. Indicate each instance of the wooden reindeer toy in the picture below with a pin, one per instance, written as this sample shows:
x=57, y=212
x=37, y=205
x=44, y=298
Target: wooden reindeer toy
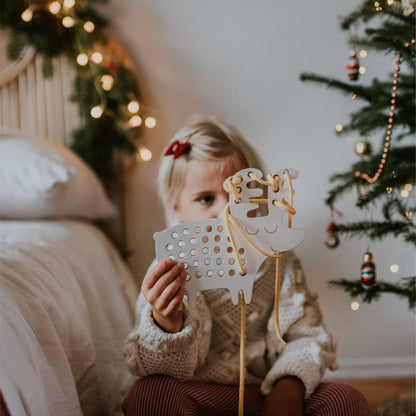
x=227, y=252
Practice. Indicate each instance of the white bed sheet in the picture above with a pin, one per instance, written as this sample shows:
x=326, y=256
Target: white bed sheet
x=66, y=306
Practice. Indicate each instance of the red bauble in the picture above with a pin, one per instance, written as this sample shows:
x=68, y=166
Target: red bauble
x=332, y=239
x=368, y=271
x=353, y=67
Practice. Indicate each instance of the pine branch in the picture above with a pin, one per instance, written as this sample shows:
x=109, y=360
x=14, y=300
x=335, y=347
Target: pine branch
x=361, y=91
x=406, y=289
x=367, y=11
x=378, y=229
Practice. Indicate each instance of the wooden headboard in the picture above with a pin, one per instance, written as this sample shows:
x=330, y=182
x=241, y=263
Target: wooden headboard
x=32, y=104
x=39, y=106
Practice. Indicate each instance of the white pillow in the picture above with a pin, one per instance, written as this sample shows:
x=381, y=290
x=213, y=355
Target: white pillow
x=42, y=179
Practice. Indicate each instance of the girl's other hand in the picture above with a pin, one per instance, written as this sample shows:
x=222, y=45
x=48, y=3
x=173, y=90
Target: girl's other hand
x=163, y=289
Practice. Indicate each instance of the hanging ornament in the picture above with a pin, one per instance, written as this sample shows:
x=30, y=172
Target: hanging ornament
x=353, y=67
x=332, y=239
x=363, y=148
x=408, y=7
x=368, y=271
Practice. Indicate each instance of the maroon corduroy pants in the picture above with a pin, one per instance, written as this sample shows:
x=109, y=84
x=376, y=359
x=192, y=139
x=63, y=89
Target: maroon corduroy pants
x=166, y=396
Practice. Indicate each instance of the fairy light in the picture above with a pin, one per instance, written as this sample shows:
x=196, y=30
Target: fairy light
x=339, y=128
x=394, y=268
x=404, y=193
x=97, y=111
x=390, y=2
x=68, y=21
x=107, y=82
x=145, y=154
x=133, y=106
x=389, y=189
x=69, y=3
x=408, y=187
x=408, y=215
x=97, y=57
x=55, y=7
x=27, y=15
x=355, y=306
x=89, y=26
x=353, y=95
x=150, y=122
x=135, y=121
x=363, y=53
x=82, y=59
x=362, y=70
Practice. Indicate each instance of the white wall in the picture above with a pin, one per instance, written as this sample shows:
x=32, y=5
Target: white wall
x=241, y=59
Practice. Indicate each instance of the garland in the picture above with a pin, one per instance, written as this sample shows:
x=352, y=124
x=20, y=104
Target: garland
x=105, y=89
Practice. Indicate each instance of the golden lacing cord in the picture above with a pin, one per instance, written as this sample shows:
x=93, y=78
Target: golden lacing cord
x=231, y=186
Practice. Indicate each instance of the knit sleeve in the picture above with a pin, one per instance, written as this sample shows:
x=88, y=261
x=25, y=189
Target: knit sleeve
x=310, y=347
x=150, y=350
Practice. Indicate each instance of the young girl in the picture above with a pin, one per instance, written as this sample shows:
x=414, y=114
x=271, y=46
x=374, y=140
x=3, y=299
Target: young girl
x=187, y=360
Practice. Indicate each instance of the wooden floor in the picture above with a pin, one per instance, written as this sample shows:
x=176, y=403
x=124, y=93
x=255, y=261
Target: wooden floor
x=380, y=391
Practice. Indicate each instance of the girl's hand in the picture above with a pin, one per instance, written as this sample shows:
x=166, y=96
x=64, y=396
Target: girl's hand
x=163, y=289
x=286, y=398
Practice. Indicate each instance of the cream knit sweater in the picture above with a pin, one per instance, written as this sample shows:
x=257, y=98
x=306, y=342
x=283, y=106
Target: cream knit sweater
x=208, y=346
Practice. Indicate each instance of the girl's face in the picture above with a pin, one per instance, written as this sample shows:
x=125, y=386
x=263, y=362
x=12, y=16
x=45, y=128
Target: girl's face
x=203, y=195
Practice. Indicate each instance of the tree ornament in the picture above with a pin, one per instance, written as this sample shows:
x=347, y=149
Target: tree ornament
x=353, y=67
x=368, y=271
x=363, y=148
x=332, y=239
x=408, y=7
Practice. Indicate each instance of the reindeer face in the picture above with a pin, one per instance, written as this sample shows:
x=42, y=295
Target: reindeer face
x=269, y=232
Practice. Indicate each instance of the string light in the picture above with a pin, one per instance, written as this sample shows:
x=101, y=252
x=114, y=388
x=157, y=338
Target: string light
x=339, y=128
x=408, y=215
x=133, y=107
x=97, y=111
x=408, y=187
x=27, y=15
x=363, y=53
x=135, y=121
x=69, y=3
x=362, y=70
x=55, y=7
x=97, y=57
x=89, y=27
x=145, y=154
x=68, y=21
x=389, y=189
x=82, y=59
x=150, y=122
x=353, y=96
x=390, y=2
x=394, y=268
x=107, y=82
x=355, y=306
x=404, y=193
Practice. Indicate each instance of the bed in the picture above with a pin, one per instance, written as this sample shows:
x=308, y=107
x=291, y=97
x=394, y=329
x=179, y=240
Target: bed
x=66, y=295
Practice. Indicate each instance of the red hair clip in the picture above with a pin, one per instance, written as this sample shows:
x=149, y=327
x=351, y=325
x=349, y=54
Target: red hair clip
x=177, y=149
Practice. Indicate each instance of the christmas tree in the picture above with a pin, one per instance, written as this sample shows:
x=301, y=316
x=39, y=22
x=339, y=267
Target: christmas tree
x=384, y=175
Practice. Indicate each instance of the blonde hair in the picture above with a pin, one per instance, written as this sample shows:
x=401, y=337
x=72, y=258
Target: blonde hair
x=210, y=139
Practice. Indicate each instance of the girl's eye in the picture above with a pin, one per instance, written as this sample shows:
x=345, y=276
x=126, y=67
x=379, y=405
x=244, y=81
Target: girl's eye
x=206, y=199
